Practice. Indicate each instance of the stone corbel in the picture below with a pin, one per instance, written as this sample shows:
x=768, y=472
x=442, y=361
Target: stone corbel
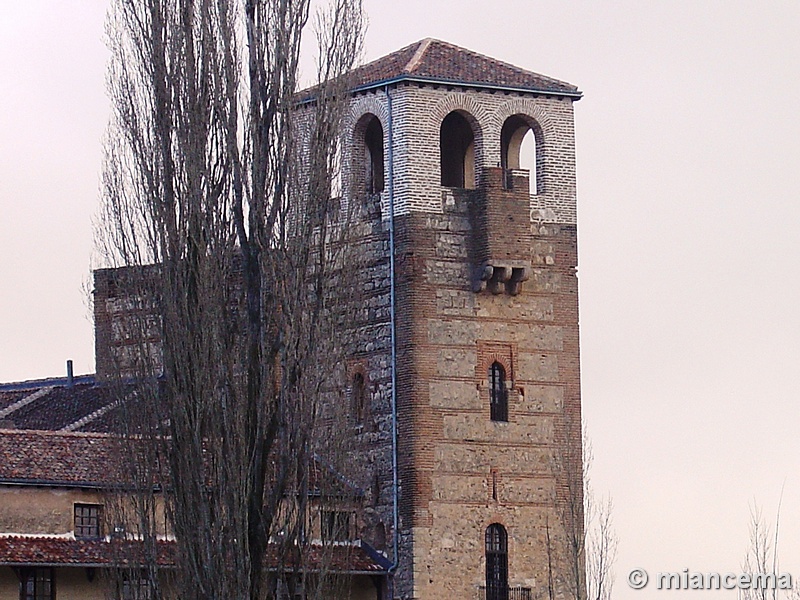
x=518, y=276
x=500, y=278
x=482, y=275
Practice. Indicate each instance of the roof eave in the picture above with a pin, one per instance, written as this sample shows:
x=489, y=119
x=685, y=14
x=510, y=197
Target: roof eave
x=36, y=384
x=277, y=569
x=52, y=483
x=81, y=565
x=87, y=485
x=406, y=77
x=381, y=83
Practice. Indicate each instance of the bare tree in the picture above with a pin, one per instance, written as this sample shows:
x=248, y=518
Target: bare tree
x=762, y=559
x=761, y=555
x=584, y=529
x=601, y=547
x=216, y=201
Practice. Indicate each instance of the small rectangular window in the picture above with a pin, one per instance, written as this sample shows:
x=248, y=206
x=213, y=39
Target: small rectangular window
x=135, y=586
x=336, y=525
x=88, y=520
x=37, y=584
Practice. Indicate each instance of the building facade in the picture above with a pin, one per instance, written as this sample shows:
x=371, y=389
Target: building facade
x=465, y=377
x=474, y=260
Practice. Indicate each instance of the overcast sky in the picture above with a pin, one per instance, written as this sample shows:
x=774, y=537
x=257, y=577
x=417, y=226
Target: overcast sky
x=688, y=144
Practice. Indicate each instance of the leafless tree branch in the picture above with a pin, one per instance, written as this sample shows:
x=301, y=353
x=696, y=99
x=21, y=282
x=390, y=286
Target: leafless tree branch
x=216, y=201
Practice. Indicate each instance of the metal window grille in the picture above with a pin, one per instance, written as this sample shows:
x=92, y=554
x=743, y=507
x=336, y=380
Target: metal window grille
x=88, y=520
x=498, y=392
x=509, y=593
x=37, y=584
x=135, y=587
x=496, y=562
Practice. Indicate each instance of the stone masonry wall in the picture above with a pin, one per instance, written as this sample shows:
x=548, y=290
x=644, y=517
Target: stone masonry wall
x=451, y=452
x=460, y=471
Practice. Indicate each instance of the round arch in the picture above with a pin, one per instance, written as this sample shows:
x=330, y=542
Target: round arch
x=522, y=147
x=526, y=130
x=476, y=116
x=457, y=151
x=367, y=163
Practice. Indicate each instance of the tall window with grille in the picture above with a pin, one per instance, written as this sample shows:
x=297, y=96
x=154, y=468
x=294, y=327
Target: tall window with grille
x=496, y=562
x=498, y=394
x=88, y=520
x=359, y=400
x=37, y=584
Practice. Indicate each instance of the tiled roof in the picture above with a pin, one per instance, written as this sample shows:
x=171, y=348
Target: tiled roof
x=57, y=551
x=54, y=433
x=55, y=404
x=53, y=551
x=9, y=397
x=93, y=460
x=70, y=459
x=435, y=60
x=336, y=557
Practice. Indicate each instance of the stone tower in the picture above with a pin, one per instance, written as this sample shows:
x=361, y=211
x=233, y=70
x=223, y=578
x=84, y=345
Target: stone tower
x=466, y=383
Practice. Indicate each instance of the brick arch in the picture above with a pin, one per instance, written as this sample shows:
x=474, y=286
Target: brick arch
x=475, y=114
x=527, y=108
x=360, y=145
x=361, y=110
x=529, y=111
x=359, y=107
x=500, y=358
x=496, y=518
x=465, y=104
x=491, y=352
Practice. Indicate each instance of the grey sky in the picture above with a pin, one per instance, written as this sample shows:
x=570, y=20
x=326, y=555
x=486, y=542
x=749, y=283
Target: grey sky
x=689, y=196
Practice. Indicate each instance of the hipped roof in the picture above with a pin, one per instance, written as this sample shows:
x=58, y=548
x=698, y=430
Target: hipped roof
x=432, y=60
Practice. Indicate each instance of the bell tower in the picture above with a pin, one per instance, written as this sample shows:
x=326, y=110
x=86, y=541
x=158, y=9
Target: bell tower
x=469, y=349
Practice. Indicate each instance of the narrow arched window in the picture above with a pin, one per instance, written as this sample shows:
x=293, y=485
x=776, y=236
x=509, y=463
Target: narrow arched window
x=359, y=399
x=457, y=148
x=519, y=149
x=496, y=562
x=373, y=146
x=498, y=394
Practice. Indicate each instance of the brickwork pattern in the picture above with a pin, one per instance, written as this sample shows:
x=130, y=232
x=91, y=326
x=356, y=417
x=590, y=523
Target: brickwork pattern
x=458, y=470
x=417, y=113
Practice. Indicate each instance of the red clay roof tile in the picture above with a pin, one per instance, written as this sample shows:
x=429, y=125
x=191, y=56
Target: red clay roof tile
x=441, y=61
x=51, y=551
x=63, y=458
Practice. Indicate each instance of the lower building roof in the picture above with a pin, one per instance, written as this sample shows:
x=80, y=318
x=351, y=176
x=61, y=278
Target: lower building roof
x=51, y=551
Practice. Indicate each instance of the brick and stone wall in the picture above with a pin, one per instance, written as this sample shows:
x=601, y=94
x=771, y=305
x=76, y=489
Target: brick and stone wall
x=460, y=471
x=126, y=324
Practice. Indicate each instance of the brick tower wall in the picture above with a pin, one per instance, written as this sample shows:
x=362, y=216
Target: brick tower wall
x=459, y=471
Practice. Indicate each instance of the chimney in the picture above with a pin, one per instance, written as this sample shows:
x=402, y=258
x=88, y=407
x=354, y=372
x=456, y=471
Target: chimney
x=69, y=374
